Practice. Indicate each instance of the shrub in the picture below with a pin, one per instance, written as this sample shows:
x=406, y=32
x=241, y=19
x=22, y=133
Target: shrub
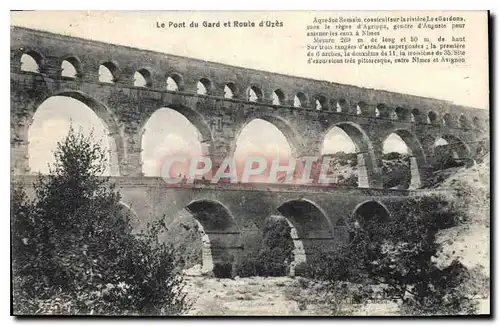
x=223, y=269
x=72, y=244
x=274, y=255
x=301, y=269
x=247, y=264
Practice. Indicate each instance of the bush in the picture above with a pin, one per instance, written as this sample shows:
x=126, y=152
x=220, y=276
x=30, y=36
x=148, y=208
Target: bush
x=301, y=269
x=273, y=257
x=247, y=264
x=72, y=246
x=223, y=269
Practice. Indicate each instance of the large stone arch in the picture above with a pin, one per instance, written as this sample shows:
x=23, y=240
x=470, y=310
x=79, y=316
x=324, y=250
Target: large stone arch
x=107, y=117
x=292, y=136
x=193, y=116
x=367, y=162
x=418, y=159
x=312, y=230
x=219, y=230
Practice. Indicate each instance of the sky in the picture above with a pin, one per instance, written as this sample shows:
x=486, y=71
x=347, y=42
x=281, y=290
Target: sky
x=279, y=50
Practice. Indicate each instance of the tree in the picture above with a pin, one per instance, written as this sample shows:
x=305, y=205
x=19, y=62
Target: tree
x=72, y=241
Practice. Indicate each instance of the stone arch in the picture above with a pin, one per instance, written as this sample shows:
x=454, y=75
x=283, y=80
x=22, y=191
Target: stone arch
x=342, y=106
x=75, y=63
x=278, y=97
x=459, y=147
x=204, y=86
x=301, y=100
x=194, y=117
x=320, y=102
x=367, y=163
x=476, y=122
x=110, y=67
x=383, y=111
x=362, y=109
x=432, y=118
x=370, y=210
x=221, y=230
x=107, y=117
x=401, y=113
x=292, y=136
x=254, y=94
x=447, y=120
x=175, y=82
x=312, y=230
x=143, y=78
x=32, y=55
x=416, y=116
x=416, y=154
x=463, y=122
x=230, y=90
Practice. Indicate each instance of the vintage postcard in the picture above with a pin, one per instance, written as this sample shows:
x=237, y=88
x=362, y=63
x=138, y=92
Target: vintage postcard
x=292, y=163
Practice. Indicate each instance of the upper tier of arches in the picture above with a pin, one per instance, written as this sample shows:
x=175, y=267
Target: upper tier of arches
x=110, y=71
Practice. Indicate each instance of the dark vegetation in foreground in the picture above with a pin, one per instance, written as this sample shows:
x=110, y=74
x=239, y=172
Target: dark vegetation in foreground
x=73, y=251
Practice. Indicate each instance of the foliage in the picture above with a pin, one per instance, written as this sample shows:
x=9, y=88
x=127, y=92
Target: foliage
x=273, y=257
x=183, y=235
x=399, y=254
x=395, y=170
x=223, y=269
x=445, y=159
x=73, y=244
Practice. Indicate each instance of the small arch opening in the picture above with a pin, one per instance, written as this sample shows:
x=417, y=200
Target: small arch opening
x=142, y=78
x=254, y=94
x=415, y=116
x=174, y=83
x=70, y=68
x=401, y=113
x=432, y=117
x=477, y=123
x=230, y=90
x=362, y=108
x=300, y=100
x=342, y=106
x=321, y=103
x=108, y=73
x=278, y=97
x=463, y=122
x=381, y=111
x=393, y=115
x=31, y=62
x=203, y=87
x=367, y=216
x=447, y=120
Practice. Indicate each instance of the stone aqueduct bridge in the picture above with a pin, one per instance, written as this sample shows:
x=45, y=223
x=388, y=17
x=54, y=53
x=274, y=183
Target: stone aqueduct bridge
x=231, y=214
